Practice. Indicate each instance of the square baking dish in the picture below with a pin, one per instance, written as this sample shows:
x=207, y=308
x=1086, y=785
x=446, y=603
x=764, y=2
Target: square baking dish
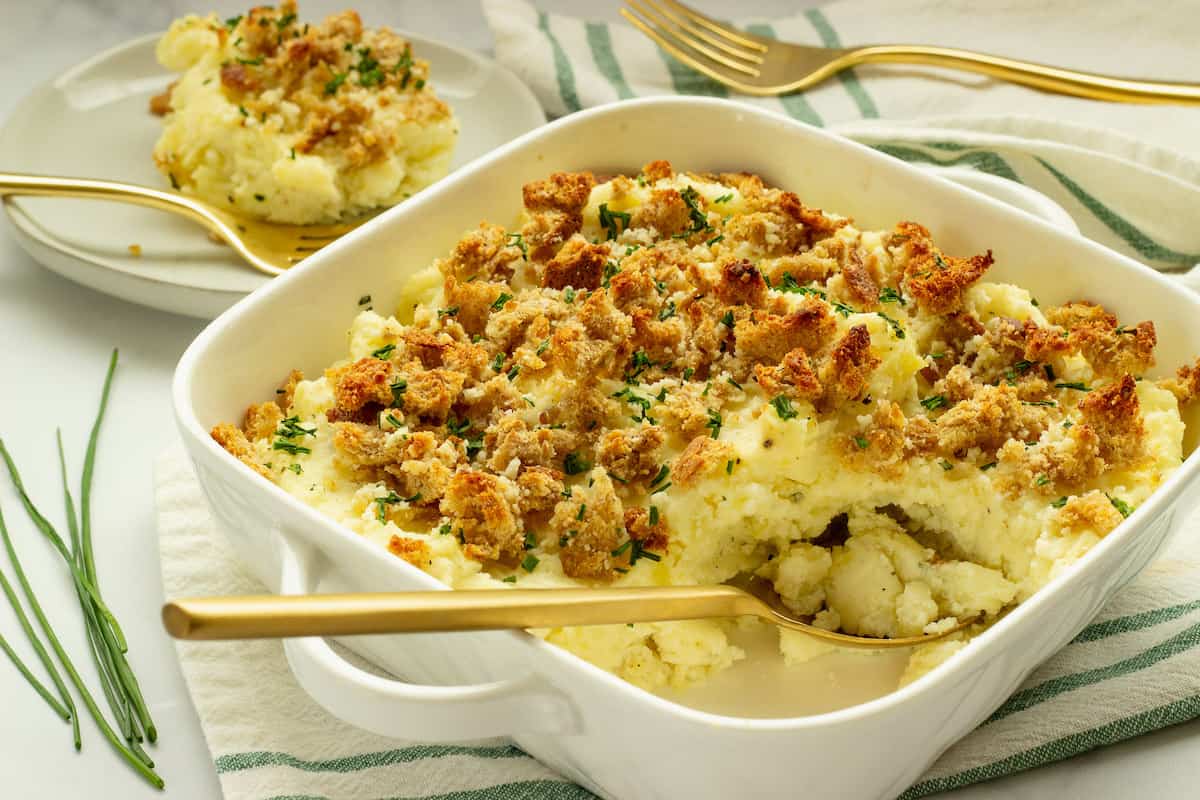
x=618, y=740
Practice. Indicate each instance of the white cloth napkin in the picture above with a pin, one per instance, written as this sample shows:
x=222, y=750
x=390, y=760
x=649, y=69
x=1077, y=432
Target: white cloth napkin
x=1129, y=175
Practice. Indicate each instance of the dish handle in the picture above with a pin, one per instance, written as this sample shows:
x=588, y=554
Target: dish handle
x=413, y=711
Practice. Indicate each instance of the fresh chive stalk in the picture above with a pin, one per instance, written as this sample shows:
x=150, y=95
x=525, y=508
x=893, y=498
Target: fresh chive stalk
x=101, y=655
x=64, y=711
x=88, y=700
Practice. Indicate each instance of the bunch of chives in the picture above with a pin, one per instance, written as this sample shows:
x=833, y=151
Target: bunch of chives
x=106, y=640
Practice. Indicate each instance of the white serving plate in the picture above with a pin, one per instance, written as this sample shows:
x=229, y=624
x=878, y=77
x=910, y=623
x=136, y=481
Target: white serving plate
x=613, y=738
x=93, y=122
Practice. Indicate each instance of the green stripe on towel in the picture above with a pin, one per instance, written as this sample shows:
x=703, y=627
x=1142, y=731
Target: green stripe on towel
x=562, y=66
x=236, y=762
x=1065, y=747
x=795, y=104
x=983, y=160
x=1134, y=622
x=602, y=53
x=542, y=789
x=829, y=38
x=1126, y=230
x=1027, y=698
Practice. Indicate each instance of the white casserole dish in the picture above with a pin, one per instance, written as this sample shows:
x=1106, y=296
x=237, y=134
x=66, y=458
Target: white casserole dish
x=613, y=738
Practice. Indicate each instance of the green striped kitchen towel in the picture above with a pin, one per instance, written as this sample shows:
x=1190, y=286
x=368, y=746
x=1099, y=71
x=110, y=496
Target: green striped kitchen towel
x=1129, y=175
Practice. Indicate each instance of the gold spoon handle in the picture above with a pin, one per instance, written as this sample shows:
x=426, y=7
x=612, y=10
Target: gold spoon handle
x=1039, y=76
x=278, y=616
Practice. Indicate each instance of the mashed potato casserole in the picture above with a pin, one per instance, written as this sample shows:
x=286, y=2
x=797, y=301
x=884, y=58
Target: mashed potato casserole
x=281, y=120
x=675, y=378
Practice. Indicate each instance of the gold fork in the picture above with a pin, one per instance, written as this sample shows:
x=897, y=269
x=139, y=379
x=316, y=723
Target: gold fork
x=266, y=246
x=280, y=616
x=761, y=66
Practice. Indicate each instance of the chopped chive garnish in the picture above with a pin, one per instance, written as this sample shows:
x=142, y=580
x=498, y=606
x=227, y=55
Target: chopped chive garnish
x=890, y=295
x=987, y=466
x=574, y=464
x=501, y=300
x=290, y=447
x=896, y=327
x=452, y=311
x=661, y=475
x=862, y=442
x=399, y=387
x=1042, y=480
x=530, y=540
x=609, y=221
x=714, y=423
x=783, y=407
x=667, y=311
x=715, y=239
x=662, y=488
x=1077, y=385
x=946, y=465
x=699, y=219
x=1039, y=402
x=338, y=79
x=517, y=240
x=458, y=427
x=934, y=402
x=543, y=347
x=846, y=311
x=653, y=515
x=364, y=300
x=727, y=319
x=1060, y=502
x=1120, y=505
x=569, y=295
x=530, y=562
x=384, y=353
x=729, y=467
x=514, y=372
x=688, y=372
x=733, y=383
x=510, y=579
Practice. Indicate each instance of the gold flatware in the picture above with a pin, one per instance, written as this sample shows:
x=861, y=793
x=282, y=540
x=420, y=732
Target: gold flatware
x=282, y=616
x=761, y=66
x=267, y=247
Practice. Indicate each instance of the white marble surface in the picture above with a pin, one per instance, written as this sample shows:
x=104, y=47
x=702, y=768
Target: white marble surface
x=56, y=337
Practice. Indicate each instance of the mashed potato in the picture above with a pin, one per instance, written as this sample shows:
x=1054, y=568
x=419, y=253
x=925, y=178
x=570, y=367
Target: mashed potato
x=679, y=378
x=296, y=123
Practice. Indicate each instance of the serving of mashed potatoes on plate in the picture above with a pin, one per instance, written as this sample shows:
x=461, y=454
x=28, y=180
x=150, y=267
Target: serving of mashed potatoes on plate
x=290, y=122
x=677, y=378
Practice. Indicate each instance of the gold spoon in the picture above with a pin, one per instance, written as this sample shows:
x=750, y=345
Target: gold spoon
x=281, y=616
x=266, y=246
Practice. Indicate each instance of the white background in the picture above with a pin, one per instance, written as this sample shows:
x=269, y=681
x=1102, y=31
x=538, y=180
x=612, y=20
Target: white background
x=54, y=342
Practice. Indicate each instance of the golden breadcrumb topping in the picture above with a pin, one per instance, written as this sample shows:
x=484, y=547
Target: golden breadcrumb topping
x=664, y=320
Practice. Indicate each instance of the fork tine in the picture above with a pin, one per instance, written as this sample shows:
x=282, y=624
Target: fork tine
x=680, y=55
x=731, y=34
x=664, y=29
x=662, y=7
